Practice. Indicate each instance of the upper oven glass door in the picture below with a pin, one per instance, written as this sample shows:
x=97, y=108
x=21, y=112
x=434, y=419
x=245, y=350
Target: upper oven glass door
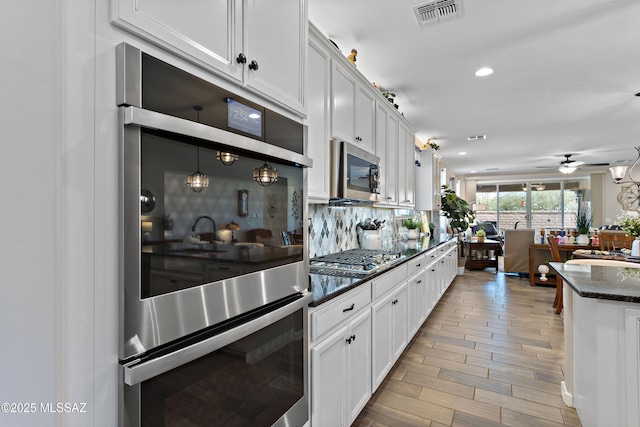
x=197, y=258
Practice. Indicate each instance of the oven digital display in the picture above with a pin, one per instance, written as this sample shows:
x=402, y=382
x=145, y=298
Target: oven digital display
x=244, y=118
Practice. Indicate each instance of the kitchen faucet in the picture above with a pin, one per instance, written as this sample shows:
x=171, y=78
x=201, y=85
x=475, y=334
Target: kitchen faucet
x=195, y=224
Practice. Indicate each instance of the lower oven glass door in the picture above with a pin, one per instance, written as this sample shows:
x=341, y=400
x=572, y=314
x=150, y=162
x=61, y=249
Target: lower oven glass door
x=251, y=375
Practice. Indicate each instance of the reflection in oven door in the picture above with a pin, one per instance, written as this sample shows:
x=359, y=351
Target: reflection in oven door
x=251, y=375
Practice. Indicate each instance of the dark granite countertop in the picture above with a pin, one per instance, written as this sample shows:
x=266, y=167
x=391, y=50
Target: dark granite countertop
x=610, y=283
x=326, y=287
x=225, y=253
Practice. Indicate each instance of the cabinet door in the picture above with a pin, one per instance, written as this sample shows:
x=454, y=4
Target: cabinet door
x=391, y=160
x=207, y=33
x=276, y=39
x=406, y=166
x=382, y=339
x=358, y=365
x=417, y=302
x=431, y=284
x=317, y=121
x=343, y=98
x=365, y=113
x=400, y=320
x=380, y=150
x=327, y=379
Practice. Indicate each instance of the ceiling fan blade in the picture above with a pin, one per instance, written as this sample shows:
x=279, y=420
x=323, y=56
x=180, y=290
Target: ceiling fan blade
x=596, y=164
x=571, y=164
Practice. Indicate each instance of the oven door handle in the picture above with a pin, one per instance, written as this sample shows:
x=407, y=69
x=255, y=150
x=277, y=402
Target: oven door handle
x=137, y=372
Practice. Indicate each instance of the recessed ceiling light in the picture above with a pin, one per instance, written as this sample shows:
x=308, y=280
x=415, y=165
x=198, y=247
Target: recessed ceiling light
x=472, y=171
x=462, y=153
x=476, y=137
x=485, y=71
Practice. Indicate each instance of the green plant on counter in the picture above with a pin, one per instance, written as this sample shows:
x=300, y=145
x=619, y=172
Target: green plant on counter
x=456, y=209
x=630, y=224
x=410, y=223
x=583, y=219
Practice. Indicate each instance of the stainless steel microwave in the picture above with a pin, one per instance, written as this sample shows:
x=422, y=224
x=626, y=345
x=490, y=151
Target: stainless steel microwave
x=354, y=174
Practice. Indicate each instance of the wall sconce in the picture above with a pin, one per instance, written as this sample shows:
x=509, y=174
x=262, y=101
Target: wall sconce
x=227, y=159
x=265, y=175
x=618, y=172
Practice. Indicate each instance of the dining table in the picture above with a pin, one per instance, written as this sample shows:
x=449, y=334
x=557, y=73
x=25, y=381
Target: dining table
x=608, y=255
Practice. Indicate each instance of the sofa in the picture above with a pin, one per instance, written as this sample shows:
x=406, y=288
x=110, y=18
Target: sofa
x=516, y=250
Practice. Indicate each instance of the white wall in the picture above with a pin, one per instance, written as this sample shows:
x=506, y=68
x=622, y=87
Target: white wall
x=47, y=258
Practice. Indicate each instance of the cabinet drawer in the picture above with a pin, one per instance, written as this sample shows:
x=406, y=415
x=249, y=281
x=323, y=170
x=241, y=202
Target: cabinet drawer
x=385, y=283
x=336, y=313
x=416, y=265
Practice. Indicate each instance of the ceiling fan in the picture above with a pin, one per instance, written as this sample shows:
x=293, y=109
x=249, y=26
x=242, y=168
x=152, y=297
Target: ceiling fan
x=568, y=166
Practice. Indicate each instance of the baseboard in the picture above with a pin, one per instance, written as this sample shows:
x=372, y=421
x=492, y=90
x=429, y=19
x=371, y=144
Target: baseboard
x=567, y=397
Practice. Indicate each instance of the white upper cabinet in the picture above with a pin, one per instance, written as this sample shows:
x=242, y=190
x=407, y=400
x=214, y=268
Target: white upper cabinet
x=406, y=165
x=318, y=93
x=343, y=103
x=386, y=148
x=275, y=46
x=353, y=108
x=365, y=119
x=258, y=45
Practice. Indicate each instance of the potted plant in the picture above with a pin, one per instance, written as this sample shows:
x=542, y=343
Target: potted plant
x=481, y=234
x=457, y=210
x=631, y=225
x=412, y=225
x=584, y=218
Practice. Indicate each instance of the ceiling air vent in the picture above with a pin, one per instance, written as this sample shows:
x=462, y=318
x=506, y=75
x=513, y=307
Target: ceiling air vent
x=434, y=12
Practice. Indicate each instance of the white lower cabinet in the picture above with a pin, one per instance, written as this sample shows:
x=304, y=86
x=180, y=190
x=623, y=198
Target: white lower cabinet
x=341, y=374
x=356, y=338
x=418, y=304
x=389, y=322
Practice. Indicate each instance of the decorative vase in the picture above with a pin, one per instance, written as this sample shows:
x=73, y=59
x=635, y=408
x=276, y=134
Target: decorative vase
x=480, y=239
x=582, y=239
x=412, y=234
x=635, y=248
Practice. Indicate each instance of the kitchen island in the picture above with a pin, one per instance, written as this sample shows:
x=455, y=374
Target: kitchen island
x=602, y=343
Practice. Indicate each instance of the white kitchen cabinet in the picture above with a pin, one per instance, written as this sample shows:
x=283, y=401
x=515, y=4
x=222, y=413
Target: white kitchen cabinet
x=353, y=108
x=318, y=93
x=428, y=182
x=259, y=45
x=406, y=165
x=389, y=192
x=341, y=374
x=389, y=338
x=365, y=118
x=417, y=288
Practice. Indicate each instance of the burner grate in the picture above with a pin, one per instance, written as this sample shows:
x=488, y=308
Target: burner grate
x=360, y=261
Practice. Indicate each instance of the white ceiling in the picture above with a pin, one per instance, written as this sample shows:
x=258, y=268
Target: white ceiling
x=566, y=73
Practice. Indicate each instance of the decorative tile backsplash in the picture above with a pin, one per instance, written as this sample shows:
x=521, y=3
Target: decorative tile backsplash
x=333, y=228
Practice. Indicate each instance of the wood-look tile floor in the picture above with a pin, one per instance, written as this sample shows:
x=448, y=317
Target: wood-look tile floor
x=490, y=354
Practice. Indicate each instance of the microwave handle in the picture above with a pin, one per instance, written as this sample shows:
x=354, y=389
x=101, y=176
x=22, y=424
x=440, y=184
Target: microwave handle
x=136, y=372
x=374, y=175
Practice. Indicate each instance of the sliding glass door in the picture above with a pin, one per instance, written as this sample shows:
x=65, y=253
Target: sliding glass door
x=549, y=205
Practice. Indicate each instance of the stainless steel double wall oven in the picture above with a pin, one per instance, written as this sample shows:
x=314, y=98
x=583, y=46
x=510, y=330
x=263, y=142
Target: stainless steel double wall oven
x=213, y=302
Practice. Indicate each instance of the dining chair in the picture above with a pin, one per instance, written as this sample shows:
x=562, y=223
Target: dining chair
x=614, y=240
x=555, y=257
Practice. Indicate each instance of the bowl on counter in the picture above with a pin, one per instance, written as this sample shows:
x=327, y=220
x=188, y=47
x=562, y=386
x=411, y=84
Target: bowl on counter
x=224, y=236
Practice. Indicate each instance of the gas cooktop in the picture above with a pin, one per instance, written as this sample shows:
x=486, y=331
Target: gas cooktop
x=353, y=262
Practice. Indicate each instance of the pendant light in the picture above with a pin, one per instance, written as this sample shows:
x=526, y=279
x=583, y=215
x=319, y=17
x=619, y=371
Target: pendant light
x=227, y=159
x=198, y=181
x=265, y=175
